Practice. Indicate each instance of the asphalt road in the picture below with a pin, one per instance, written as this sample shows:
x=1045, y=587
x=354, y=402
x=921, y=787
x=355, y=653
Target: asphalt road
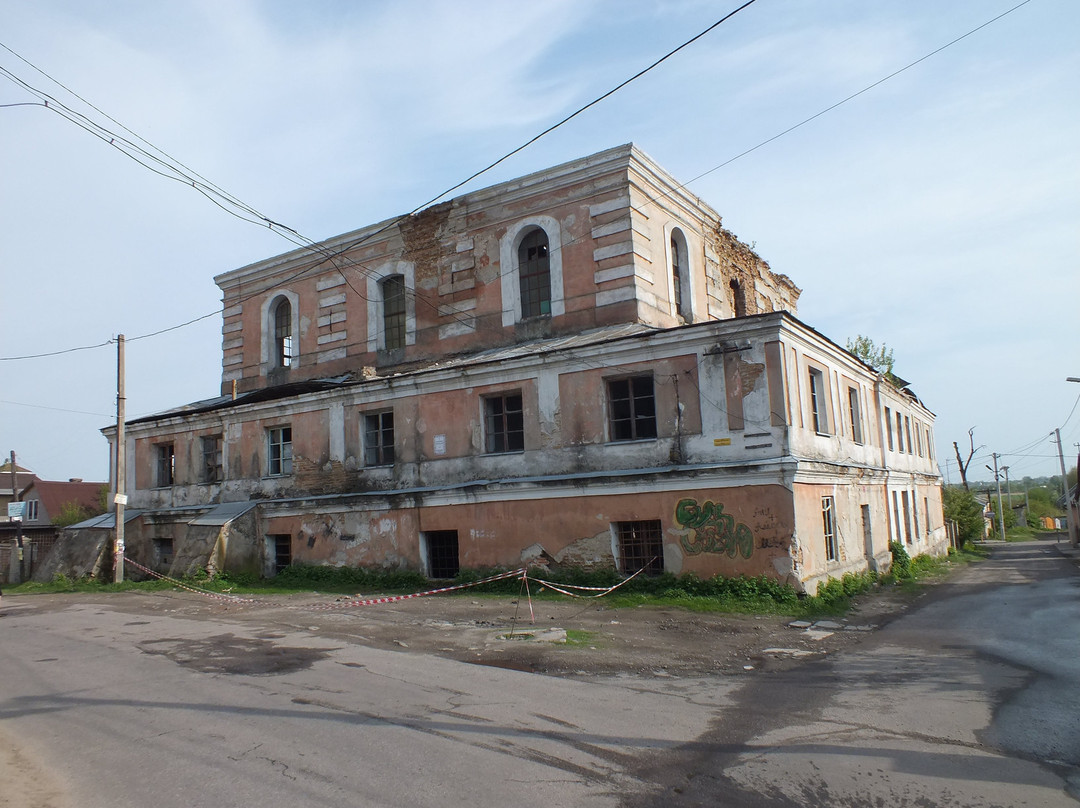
x=970, y=699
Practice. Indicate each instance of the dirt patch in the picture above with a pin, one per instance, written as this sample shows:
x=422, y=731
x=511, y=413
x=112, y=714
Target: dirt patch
x=556, y=637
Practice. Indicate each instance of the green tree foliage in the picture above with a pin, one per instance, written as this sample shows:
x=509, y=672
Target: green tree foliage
x=961, y=507
x=879, y=357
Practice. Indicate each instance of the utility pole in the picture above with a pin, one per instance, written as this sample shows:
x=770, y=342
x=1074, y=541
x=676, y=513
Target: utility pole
x=121, y=464
x=1065, y=487
x=1008, y=488
x=18, y=530
x=997, y=479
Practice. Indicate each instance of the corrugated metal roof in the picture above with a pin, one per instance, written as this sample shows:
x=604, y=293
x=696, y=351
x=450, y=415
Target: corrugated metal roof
x=224, y=513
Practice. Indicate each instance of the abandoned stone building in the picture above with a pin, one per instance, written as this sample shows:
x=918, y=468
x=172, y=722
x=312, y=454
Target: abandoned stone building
x=580, y=366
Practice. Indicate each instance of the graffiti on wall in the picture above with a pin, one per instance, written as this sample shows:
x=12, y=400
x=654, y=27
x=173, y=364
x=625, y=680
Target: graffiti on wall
x=712, y=530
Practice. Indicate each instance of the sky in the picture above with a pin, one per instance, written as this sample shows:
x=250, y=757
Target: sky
x=938, y=212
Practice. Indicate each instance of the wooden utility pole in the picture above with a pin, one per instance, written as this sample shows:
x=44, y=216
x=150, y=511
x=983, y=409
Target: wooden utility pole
x=121, y=464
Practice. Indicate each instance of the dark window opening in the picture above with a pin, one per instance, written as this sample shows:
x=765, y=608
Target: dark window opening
x=163, y=552
x=166, y=465
x=632, y=408
x=211, y=452
x=679, y=269
x=738, y=298
x=282, y=544
x=393, y=301
x=504, y=424
x=379, y=439
x=641, y=545
x=442, y=553
x=283, y=336
x=534, y=275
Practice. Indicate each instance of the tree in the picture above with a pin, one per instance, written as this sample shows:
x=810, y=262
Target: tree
x=964, y=464
x=880, y=358
x=961, y=507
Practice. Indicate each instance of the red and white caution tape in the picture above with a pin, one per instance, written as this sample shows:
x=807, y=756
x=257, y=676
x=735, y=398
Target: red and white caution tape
x=348, y=604
x=188, y=587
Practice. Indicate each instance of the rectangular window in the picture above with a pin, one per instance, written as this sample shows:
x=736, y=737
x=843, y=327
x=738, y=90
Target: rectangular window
x=393, y=300
x=818, y=408
x=899, y=433
x=856, y=415
x=440, y=551
x=929, y=445
x=896, y=516
x=632, y=408
x=888, y=427
x=907, y=516
x=281, y=545
x=918, y=440
x=211, y=453
x=163, y=550
x=828, y=524
x=166, y=465
x=504, y=424
x=31, y=514
x=379, y=439
x=926, y=510
x=907, y=433
x=641, y=546
x=279, y=451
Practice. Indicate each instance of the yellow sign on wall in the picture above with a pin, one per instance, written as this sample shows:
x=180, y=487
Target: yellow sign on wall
x=721, y=442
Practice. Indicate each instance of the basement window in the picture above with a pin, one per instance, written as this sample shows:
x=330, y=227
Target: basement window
x=440, y=553
x=281, y=546
x=639, y=545
x=163, y=552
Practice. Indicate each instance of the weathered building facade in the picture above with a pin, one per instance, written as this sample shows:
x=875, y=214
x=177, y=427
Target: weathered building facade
x=581, y=366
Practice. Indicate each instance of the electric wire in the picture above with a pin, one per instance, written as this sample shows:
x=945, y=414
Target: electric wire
x=330, y=256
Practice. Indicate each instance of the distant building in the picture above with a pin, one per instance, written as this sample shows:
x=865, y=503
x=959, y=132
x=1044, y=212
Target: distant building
x=44, y=501
x=577, y=367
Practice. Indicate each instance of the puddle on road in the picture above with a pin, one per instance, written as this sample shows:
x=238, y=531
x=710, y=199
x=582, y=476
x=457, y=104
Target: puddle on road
x=227, y=653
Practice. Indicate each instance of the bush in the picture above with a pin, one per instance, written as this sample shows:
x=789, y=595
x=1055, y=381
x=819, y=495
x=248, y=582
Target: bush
x=901, y=562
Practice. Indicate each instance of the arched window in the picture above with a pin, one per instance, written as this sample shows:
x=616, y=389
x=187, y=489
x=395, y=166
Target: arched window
x=392, y=290
x=738, y=298
x=680, y=276
x=534, y=274
x=283, y=334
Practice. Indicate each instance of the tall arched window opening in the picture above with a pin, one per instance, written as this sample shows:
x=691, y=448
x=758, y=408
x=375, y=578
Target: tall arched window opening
x=680, y=276
x=283, y=335
x=534, y=274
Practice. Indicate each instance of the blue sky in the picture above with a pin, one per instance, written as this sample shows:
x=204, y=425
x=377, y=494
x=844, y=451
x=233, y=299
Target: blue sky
x=938, y=212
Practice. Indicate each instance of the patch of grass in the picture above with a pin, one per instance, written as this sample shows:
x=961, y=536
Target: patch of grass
x=580, y=639
x=1022, y=533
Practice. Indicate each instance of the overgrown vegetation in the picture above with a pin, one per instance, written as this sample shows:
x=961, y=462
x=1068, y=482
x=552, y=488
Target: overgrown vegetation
x=758, y=595
x=961, y=507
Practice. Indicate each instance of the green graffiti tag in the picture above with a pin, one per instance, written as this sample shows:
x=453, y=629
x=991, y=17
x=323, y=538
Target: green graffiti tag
x=713, y=531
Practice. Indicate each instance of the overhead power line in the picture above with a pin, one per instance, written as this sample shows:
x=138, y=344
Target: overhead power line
x=174, y=169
